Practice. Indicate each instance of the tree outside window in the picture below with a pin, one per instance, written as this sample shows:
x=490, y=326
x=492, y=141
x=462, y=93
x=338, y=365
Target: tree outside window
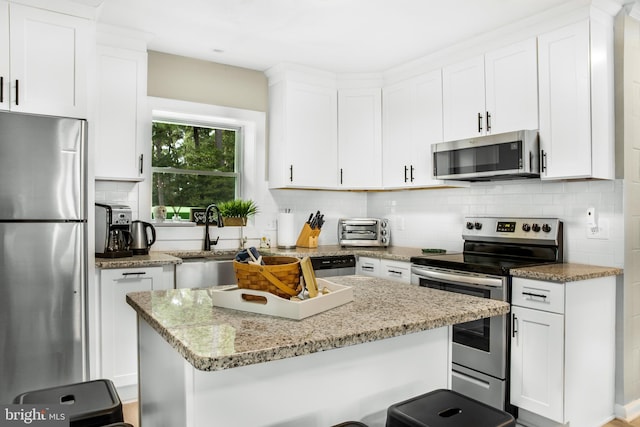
x=193, y=166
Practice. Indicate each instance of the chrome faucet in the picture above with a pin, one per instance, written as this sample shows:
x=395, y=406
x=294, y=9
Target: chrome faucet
x=207, y=240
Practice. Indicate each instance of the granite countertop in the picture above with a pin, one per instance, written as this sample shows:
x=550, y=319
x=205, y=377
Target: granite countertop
x=154, y=259
x=175, y=257
x=567, y=272
x=396, y=253
x=214, y=338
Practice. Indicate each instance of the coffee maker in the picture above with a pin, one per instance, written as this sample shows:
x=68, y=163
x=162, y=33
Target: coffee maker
x=113, y=230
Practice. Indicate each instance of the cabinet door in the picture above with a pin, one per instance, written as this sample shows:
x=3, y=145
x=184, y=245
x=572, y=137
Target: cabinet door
x=464, y=99
x=395, y=270
x=368, y=266
x=511, y=85
x=412, y=117
x=397, y=134
x=4, y=55
x=121, y=88
x=48, y=62
x=427, y=129
x=311, y=135
x=119, y=344
x=360, y=138
x=565, y=115
x=537, y=362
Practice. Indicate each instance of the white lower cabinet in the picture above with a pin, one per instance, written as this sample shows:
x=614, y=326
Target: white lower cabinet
x=563, y=351
x=395, y=270
x=537, y=362
x=118, y=339
x=384, y=268
x=368, y=266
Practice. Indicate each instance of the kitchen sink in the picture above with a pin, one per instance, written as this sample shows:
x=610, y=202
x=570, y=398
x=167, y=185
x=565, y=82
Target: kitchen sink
x=205, y=271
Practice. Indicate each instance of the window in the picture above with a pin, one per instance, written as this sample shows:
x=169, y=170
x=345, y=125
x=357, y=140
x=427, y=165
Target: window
x=194, y=165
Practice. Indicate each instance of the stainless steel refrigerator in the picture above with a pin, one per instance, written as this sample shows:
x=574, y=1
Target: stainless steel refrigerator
x=43, y=256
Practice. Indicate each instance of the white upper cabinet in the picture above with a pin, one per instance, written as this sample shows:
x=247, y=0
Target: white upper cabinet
x=4, y=56
x=360, y=138
x=511, y=88
x=412, y=122
x=120, y=97
x=463, y=99
x=576, y=101
x=47, y=53
x=303, y=143
x=490, y=94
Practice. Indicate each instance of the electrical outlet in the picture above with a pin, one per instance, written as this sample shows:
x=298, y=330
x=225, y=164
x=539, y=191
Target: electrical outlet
x=599, y=230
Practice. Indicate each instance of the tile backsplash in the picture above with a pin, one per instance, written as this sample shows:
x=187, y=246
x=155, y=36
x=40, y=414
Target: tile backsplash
x=118, y=191
x=434, y=218
x=426, y=218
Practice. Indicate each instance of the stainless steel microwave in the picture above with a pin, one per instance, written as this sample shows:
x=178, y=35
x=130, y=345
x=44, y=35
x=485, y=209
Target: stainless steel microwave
x=508, y=155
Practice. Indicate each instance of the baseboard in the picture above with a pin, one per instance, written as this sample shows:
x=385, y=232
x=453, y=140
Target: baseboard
x=529, y=419
x=128, y=393
x=628, y=412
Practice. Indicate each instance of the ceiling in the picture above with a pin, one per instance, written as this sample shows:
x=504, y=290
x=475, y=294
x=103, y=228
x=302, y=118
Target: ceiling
x=333, y=35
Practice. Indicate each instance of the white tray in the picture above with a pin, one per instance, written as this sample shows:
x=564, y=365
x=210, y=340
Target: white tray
x=275, y=306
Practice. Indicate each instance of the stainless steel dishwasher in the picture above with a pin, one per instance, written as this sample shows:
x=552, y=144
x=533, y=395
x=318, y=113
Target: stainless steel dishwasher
x=334, y=265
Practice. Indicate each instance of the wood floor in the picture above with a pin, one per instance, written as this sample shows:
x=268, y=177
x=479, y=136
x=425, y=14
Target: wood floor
x=131, y=416
x=130, y=411
x=620, y=423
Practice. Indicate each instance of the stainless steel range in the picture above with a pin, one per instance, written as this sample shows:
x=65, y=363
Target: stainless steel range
x=492, y=247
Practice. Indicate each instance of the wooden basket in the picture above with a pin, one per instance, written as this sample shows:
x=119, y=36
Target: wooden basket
x=280, y=276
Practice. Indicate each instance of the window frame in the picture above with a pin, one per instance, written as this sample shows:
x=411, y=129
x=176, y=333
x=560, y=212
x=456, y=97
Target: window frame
x=202, y=122
x=251, y=122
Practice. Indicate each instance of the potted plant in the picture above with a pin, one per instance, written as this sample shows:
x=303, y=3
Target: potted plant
x=235, y=212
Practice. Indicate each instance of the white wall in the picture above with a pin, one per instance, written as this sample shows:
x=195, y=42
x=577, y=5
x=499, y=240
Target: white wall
x=434, y=218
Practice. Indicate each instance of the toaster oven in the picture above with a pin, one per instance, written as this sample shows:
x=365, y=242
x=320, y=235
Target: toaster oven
x=364, y=232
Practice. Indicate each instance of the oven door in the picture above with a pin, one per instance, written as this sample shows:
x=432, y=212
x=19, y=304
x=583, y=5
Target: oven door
x=481, y=344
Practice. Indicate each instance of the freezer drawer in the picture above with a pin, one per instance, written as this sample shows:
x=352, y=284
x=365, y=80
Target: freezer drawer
x=478, y=386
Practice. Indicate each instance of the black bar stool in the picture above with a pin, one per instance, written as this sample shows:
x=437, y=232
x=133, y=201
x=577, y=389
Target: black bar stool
x=88, y=404
x=446, y=408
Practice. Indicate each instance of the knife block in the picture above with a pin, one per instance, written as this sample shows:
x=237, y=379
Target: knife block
x=308, y=237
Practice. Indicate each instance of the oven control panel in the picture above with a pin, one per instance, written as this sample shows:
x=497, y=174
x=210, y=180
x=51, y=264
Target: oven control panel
x=516, y=229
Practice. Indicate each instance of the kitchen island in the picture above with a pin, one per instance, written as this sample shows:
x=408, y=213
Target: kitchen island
x=202, y=365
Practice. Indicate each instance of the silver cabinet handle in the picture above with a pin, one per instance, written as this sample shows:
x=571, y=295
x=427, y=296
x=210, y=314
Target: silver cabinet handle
x=134, y=273
x=531, y=294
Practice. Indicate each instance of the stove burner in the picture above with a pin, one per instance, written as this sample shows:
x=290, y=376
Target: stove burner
x=497, y=245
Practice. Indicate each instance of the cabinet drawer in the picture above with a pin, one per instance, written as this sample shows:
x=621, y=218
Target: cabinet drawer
x=539, y=295
x=398, y=270
x=368, y=266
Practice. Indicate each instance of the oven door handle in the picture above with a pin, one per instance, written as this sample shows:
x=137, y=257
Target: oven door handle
x=457, y=278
